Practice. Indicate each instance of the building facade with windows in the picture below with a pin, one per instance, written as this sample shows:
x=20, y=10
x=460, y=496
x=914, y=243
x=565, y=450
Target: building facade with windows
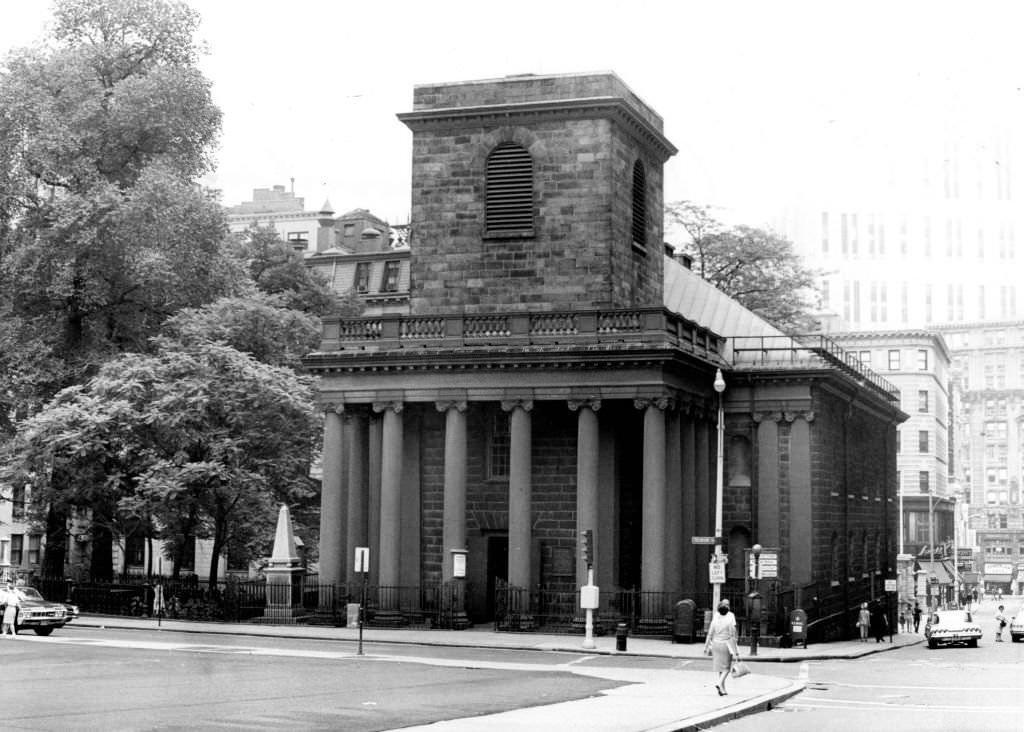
x=988, y=374
x=553, y=373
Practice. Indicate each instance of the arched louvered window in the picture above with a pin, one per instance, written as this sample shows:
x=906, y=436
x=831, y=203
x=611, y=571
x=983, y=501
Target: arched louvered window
x=509, y=198
x=639, y=228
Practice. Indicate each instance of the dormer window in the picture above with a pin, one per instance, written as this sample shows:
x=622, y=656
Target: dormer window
x=508, y=205
x=362, y=279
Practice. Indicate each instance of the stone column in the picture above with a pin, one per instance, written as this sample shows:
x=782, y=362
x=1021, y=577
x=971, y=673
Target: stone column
x=674, y=505
x=688, y=462
x=357, y=522
x=332, y=503
x=704, y=459
x=587, y=471
x=652, y=576
x=520, y=522
x=390, y=510
x=454, y=530
x=768, y=507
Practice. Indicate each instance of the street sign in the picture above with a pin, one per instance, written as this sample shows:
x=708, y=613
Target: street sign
x=716, y=572
x=362, y=559
x=702, y=539
x=768, y=565
x=890, y=585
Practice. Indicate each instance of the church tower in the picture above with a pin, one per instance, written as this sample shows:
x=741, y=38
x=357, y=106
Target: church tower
x=535, y=193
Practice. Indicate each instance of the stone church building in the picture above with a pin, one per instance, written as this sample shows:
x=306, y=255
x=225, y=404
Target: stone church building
x=554, y=373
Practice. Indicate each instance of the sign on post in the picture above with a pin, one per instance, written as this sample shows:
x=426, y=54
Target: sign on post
x=362, y=559
x=716, y=572
x=890, y=585
x=768, y=565
x=702, y=540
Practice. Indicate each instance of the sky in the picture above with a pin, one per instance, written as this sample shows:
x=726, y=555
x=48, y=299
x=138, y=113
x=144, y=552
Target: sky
x=763, y=99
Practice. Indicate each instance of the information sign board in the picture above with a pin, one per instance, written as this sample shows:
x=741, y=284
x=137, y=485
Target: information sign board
x=716, y=572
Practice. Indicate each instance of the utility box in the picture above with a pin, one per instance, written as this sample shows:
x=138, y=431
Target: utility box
x=798, y=627
x=352, y=614
x=683, y=629
x=589, y=597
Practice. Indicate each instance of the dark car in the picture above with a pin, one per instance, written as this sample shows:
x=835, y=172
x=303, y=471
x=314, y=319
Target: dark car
x=39, y=614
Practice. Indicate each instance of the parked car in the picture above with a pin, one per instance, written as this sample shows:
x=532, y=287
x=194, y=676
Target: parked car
x=39, y=614
x=1017, y=626
x=952, y=627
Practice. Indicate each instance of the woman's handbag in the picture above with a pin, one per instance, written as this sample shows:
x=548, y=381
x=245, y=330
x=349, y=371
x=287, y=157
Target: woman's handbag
x=740, y=669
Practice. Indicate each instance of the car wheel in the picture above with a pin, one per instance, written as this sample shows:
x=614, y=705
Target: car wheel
x=972, y=643
x=43, y=631
x=932, y=644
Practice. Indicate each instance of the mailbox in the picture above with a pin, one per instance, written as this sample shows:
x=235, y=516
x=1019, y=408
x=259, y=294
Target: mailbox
x=798, y=627
x=683, y=630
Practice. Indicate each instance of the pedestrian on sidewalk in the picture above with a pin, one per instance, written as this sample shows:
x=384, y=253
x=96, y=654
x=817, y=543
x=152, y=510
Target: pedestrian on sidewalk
x=10, y=612
x=1000, y=624
x=879, y=623
x=917, y=615
x=863, y=622
x=721, y=645
x=903, y=618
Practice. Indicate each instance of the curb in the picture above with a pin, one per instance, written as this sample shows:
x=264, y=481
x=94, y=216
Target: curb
x=763, y=703
x=97, y=621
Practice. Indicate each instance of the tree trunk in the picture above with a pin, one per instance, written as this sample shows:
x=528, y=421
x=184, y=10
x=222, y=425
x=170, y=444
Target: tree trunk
x=101, y=561
x=220, y=530
x=56, y=543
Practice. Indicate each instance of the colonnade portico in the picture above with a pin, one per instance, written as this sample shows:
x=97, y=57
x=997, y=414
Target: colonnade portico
x=670, y=481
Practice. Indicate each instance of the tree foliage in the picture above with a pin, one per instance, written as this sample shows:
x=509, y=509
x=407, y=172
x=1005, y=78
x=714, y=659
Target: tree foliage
x=758, y=268
x=197, y=439
x=105, y=128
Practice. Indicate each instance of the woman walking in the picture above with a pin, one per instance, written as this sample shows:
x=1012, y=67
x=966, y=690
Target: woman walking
x=10, y=612
x=863, y=622
x=721, y=644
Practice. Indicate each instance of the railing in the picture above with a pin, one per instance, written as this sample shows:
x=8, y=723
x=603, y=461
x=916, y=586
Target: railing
x=519, y=328
x=803, y=351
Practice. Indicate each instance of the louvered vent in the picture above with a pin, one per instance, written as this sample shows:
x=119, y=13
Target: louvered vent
x=509, y=205
x=639, y=205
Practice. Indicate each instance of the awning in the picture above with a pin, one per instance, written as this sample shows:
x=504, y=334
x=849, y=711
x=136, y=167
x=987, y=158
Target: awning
x=998, y=577
x=940, y=570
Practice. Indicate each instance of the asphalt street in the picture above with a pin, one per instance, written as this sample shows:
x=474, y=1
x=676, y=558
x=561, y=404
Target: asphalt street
x=912, y=689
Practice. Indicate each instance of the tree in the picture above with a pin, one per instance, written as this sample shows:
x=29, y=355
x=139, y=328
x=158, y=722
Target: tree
x=105, y=129
x=277, y=269
x=197, y=439
x=758, y=268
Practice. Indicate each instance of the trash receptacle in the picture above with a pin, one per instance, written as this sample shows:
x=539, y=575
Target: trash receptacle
x=621, y=632
x=683, y=630
x=798, y=627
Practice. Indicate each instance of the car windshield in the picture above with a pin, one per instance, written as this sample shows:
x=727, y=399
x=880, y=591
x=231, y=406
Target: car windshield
x=29, y=593
x=953, y=617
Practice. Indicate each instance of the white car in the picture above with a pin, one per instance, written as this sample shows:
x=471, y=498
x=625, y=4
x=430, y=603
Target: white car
x=1017, y=626
x=952, y=627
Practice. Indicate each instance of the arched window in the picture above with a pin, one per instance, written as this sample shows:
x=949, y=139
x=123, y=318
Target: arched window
x=639, y=228
x=508, y=206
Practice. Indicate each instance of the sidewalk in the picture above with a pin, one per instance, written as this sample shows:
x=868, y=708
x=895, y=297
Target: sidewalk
x=649, y=701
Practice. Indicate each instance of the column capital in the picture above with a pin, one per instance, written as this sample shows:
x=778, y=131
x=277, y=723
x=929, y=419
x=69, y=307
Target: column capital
x=807, y=416
x=508, y=405
x=576, y=404
x=394, y=406
x=443, y=405
x=662, y=403
x=333, y=407
x=760, y=417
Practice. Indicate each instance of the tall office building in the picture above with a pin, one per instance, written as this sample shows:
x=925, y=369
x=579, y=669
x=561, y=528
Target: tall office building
x=926, y=232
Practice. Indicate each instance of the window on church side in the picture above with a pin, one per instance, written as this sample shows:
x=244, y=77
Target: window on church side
x=499, y=445
x=508, y=204
x=639, y=227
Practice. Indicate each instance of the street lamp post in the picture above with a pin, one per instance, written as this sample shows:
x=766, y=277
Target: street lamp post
x=716, y=589
x=755, y=601
x=931, y=541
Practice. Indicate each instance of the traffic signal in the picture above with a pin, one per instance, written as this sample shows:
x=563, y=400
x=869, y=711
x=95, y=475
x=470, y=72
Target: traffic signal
x=587, y=546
